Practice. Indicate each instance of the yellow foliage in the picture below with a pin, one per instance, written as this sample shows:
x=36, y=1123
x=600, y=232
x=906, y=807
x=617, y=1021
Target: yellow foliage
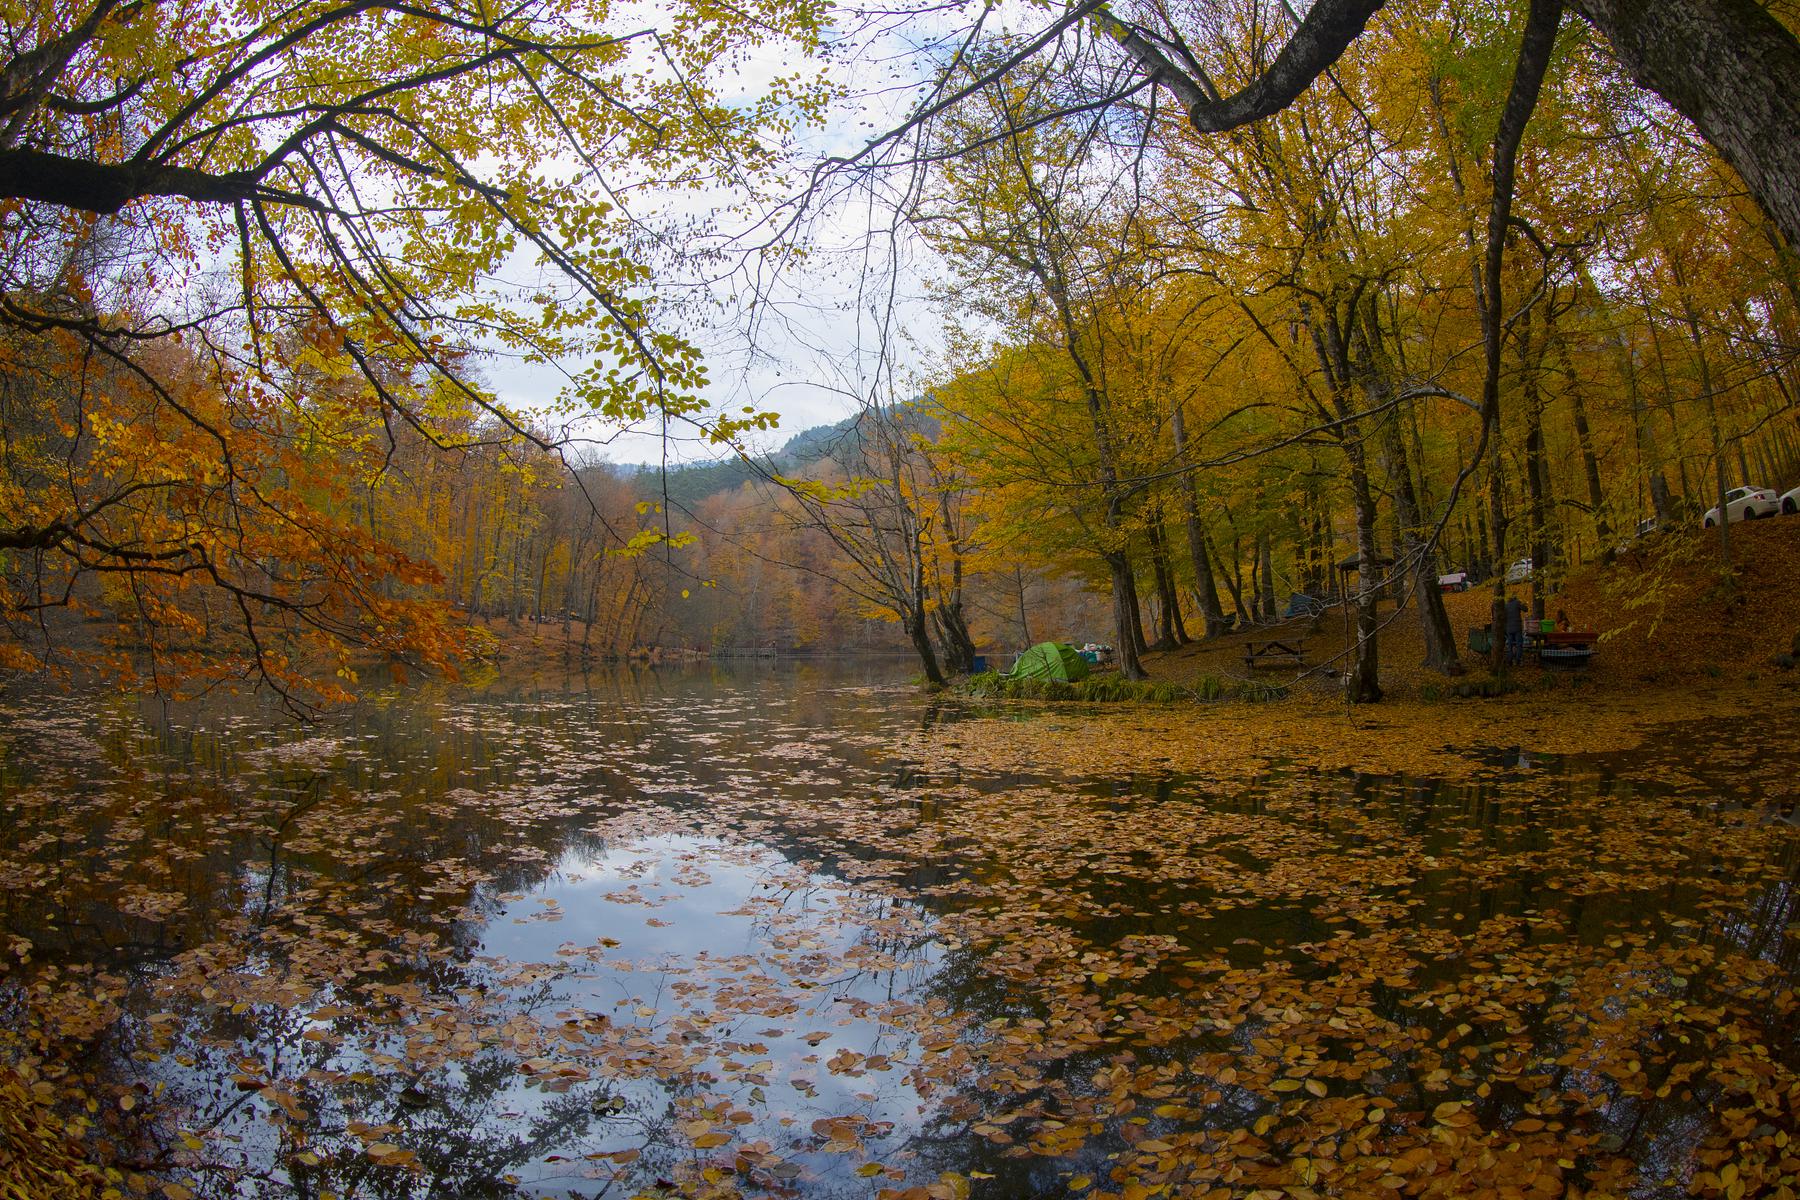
x=40, y=1158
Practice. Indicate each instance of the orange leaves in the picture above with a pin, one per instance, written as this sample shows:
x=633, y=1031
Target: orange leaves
x=248, y=429
x=1095, y=974
x=387, y=1154
x=839, y=1135
x=949, y=1186
x=212, y=529
x=1452, y=1113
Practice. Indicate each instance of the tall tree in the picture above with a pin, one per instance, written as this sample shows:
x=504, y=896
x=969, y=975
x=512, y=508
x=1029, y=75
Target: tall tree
x=211, y=207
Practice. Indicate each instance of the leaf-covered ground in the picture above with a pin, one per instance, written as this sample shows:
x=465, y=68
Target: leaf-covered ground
x=785, y=935
x=1666, y=617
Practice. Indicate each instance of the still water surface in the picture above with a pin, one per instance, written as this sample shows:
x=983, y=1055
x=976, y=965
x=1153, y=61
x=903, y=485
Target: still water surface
x=704, y=929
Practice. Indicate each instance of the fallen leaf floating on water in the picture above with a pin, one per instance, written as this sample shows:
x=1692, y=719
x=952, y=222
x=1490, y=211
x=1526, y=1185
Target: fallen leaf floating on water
x=1220, y=955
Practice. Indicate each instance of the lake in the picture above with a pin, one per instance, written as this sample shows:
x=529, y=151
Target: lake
x=789, y=929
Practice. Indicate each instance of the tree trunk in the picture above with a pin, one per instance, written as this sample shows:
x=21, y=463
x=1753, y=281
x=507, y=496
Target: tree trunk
x=1415, y=544
x=1536, y=491
x=1720, y=478
x=1265, y=569
x=953, y=632
x=1170, y=632
x=1650, y=461
x=1234, y=584
x=1206, y=590
x=953, y=628
x=1730, y=67
x=919, y=634
x=1125, y=618
x=1318, y=547
x=1497, y=512
x=1480, y=553
x=1584, y=440
x=1521, y=100
x=587, y=626
x=1024, y=618
x=537, y=603
x=1135, y=607
x=1128, y=631
x=1258, y=612
x=1362, y=685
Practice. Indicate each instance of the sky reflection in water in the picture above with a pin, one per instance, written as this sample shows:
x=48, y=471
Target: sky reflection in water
x=576, y=936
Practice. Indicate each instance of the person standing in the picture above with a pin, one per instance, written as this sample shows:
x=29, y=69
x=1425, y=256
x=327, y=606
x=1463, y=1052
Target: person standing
x=1515, y=631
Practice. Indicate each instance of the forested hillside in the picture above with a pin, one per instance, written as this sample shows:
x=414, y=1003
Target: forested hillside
x=1189, y=372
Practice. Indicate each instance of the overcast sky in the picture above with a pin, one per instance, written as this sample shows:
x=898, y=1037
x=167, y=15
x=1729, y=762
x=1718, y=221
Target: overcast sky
x=851, y=322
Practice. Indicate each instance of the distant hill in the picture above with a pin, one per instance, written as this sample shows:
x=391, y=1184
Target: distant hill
x=688, y=485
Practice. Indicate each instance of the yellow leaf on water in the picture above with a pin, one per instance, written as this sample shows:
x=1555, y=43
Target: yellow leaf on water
x=390, y=1155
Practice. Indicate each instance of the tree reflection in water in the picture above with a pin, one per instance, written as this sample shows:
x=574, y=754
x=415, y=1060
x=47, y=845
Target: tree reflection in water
x=707, y=930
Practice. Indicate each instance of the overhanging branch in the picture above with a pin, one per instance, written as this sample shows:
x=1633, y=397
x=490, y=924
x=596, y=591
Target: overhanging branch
x=105, y=188
x=1327, y=29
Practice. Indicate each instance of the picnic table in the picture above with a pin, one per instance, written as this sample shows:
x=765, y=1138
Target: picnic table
x=1568, y=647
x=1284, y=652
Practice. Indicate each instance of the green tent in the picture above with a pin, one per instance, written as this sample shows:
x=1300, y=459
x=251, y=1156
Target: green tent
x=1050, y=660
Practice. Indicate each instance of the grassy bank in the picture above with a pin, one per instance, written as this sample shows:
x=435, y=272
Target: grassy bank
x=1112, y=689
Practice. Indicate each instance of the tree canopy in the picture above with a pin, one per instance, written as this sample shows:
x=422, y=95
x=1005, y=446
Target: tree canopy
x=261, y=259
x=242, y=239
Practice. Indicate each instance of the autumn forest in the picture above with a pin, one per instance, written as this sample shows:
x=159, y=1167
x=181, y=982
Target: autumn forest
x=459, y=736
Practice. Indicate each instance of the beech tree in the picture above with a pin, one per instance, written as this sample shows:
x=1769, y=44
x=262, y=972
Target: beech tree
x=207, y=210
x=892, y=517
x=1729, y=66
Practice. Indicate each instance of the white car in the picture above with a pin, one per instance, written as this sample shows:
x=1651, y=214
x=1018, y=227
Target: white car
x=1647, y=527
x=1790, y=501
x=1744, y=504
x=1519, y=572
